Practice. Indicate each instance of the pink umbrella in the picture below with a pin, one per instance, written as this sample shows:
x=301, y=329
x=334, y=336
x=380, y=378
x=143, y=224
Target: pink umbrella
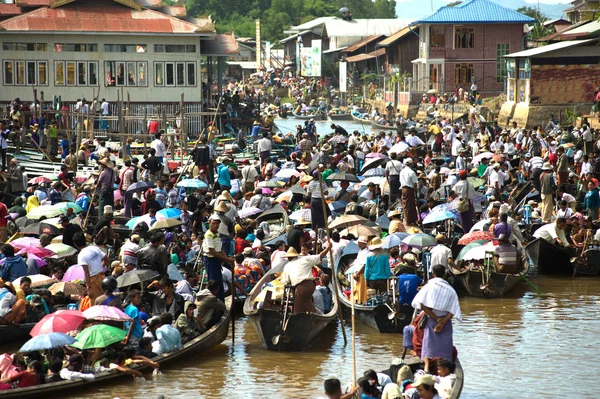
x=62, y=321
x=101, y=312
x=118, y=195
x=267, y=191
x=39, y=179
x=73, y=273
x=375, y=155
x=37, y=251
x=24, y=242
x=40, y=262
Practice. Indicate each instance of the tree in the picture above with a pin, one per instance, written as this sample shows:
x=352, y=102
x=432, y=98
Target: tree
x=534, y=13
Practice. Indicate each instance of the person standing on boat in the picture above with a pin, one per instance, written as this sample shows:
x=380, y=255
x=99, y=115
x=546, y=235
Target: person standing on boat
x=466, y=192
x=316, y=207
x=93, y=260
x=548, y=191
x=214, y=255
x=392, y=173
x=105, y=185
x=298, y=272
x=439, y=301
x=441, y=254
x=264, y=148
x=377, y=267
x=553, y=232
x=408, y=183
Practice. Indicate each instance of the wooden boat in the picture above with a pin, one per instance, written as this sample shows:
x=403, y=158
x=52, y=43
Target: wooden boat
x=487, y=283
x=376, y=125
x=209, y=339
x=374, y=316
x=277, y=218
x=300, y=330
x=549, y=258
x=12, y=333
x=589, y=263
x=415, y=364
x=318, y=115
x=362, y=121
x=340, y=117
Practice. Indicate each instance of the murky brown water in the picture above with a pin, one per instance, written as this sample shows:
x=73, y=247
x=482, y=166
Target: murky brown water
x=527, y=346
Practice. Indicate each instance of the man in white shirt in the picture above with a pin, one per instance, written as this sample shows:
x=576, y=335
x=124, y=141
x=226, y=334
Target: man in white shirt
x=159, y=147
x=264, y=148
x=553, y=232
x=392, y=172
x=105, y=107
x=413, y=140
x=408, y=184
x=93, y=260
x=249, y=175
x=441, y=254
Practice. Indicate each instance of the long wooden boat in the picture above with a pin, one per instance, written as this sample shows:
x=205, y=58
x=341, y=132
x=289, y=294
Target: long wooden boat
x=374, y=316
x=549, y=258
x=277, y=218
x=12, y=333
x=486, y=283
x=589, y=263
x=209, y=339
x=301, y=329
x=416, y=364
x=307, y=117
x=376, y=125
x=360, y=120
x=340, y=117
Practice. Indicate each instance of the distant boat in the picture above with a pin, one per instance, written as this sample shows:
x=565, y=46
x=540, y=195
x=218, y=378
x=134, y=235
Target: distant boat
x=340, y=117
x=362, y=121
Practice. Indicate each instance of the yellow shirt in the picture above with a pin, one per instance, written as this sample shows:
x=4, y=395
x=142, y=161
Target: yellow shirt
x=434, y=129
x=20, y=294
x=211, y=240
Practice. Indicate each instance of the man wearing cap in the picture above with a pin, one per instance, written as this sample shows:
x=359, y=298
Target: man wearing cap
x=548, y=191
x=214, y=255
x=298, y=273
x=69, y=230
x=392, y=173
x=461, y=163
x=93, y=260
x=408, y=183
x=104, y=185
x=466, y=192
x=264, y=147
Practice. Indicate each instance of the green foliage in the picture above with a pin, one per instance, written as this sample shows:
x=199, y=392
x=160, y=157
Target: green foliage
x=454, y=3
x=276, y=16
x=534, y=13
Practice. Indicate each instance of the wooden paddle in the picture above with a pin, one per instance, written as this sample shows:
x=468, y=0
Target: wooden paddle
x=331, y=262
x=352, y=286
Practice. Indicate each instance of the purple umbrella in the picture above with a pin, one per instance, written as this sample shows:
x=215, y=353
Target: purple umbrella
x=24, y=242
x=375, y=155
x=73, y=273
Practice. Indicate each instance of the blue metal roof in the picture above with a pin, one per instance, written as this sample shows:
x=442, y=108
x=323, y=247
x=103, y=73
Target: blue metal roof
x=475, y=11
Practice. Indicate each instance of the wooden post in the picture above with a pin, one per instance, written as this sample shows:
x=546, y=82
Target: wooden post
x=164, y=116
x=41, y=102
x=182, y=130
x=128, y=114
x=145, y=123
x=119, y=126
x=35, y=103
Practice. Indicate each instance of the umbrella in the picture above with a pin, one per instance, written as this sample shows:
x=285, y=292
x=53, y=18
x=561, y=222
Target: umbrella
x=73, y=273
x=379, y=171
x=173, y=273
x=139, y=219
x=432, y=91
x=267, y=191
x=48, y=211
x=338, y=139
x=475, y=181
x=99, y=336
x=297, y=190
x=135, y=277
x=37, y=251
x=67, y=288
x=394, y=240
x=192, y=183
x=376, y=180
x=285, y=196
x=268, y=184
x=467, y=247
x=165, y=224
x=399, y=148
x=479, y=252
x=63, y=206
x=118, y=195
x=37, y=280
x=62, y=250
x=373, y=163
x=383, y=221
x=41, y=228
x=139, y=186
x=361, y=230
x=301, y=214
x=40, y=262
x=39, y=179
x=24, y=242
x=343, y=176
x=61, y=321
x=419, y=240
x=474, y=236
x=101, y=312
x=47, y=341
x=250, y=211
x=347, y=220
x=23, y=221
x=287, y=173
x=375, y=155
x=435, y=217
x=479, y=225
x=444, y=170
x=337, y=206
x=170, y=213
x=479, y=157
x=344, y=9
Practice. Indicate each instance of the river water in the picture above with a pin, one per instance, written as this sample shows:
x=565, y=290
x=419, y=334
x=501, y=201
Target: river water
x=524, y=346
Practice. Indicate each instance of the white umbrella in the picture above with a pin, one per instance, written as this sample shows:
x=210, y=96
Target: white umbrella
x=399, y=148
x=479, y=157
x=479, y=252
x=301, y=214
x=287, y=173
x=377, y=180
x=379, y=171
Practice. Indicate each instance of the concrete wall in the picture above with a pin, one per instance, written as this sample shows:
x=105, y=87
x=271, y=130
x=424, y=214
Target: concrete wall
x=563, y=84
x=151, y=93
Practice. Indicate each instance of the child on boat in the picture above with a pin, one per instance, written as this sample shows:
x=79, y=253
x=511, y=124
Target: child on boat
x=445, y=379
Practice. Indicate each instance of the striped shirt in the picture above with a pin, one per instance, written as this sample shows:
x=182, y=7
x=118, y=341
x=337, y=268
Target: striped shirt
x=314, y=189
x=211, y=240
x=507, y=254
x=438, y=295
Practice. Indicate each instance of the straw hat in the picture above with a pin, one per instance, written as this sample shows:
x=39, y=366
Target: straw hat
x=376, y=243
x=424, y=379
x=395, y=212
x=106, y=162
x=225, y=196
x=547, y=166
x=306, y=178
x=326, y=147
x=301, y=222
x=222, y=207
x=362, y=240
x=108, y=209
x=292, y=253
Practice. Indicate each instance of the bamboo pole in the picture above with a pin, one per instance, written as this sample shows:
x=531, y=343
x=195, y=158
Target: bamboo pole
x=331, y=262
x=352, y=283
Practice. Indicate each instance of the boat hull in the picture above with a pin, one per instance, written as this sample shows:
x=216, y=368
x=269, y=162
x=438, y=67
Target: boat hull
x=498, y=284
x=549, y=258
x=361, y=121
x=592, y=266
x=340, y=117
x=11, y=333
x=375, y=125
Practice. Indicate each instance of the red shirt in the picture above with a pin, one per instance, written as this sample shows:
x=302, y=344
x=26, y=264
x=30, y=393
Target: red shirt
x=26, y=379
x=240, y=244
x=3, y=215
x=153, y=127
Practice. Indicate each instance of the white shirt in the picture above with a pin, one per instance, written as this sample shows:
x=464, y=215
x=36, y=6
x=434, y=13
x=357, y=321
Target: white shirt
x=394, y=167
x=408, y=178
x=414, y=141
x=91, y=256
x=586, y=168
x=568, y=197
x=159, y=147
x=104, y=107
x=439, y=256
x=264, y=144
x=300, y=269
x=550, y=233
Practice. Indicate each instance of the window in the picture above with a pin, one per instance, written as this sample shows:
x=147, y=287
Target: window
x=174, y=48
x=126, y=73
x=9, y=78
x=31, y=73
x=436, y=37
x=11, y=46
x=42, y=73
x=463, y=74
x=75, y=47
x=125, y=48
x=142, y=74
x=170, y=67
x=501, y=51
x=93, y=74
x=191, y=74
x=75, y=73
x=131, y=74
x=20, y=72
x=81, y=73
x=71, y=73
x=159, y=76
x=59, y=73
x=524, y=69
x=464, y=38
x=180, y=74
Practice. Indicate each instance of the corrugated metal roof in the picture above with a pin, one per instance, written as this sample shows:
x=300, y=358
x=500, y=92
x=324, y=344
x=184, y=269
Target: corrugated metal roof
x=398, y=35
x=364, y=27
x=9, y=9
x=293, y=37
x=33, y=3
x=361, y=43
x=174, y=11
x=156, y=4
x=97, y=16
x=475, y=11
x=583, y=30
x=311, y=24
x=547, y=49
x=368, y=56
x=223, y=45
x=556, y=35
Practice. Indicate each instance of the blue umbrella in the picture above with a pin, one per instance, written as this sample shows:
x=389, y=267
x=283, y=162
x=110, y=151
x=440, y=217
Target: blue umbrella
x=170, y=213
x=351, y=249
x=192, y=183
x=173, y=273
x=47, y=341
x=140, y=186
x=131, y=222
x=435, y=217
x=374, y=172
x=338, y=206
x=394, y=240
x=384, y=222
